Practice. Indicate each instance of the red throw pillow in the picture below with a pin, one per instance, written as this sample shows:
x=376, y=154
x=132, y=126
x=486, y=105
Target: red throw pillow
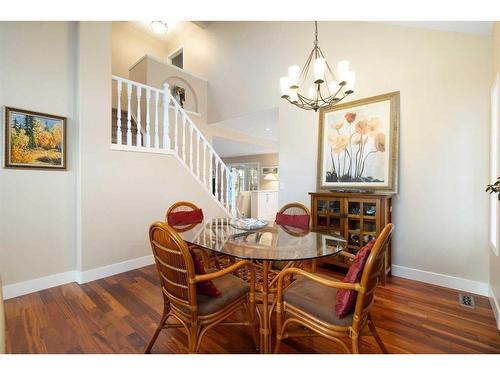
x=297, y=221
x=346, y=299
x=182, y=218
x=206, y=288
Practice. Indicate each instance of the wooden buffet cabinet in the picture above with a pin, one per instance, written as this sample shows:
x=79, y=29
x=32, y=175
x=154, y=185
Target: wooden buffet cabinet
x=358, y=217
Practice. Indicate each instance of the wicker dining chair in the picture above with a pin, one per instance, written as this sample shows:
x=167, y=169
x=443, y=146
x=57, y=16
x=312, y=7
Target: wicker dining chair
x=194, y=312
x=294, y=208
x=310, y=302
x=208, y=258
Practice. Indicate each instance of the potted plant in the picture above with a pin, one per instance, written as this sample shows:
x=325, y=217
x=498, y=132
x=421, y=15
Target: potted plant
x=494, y=188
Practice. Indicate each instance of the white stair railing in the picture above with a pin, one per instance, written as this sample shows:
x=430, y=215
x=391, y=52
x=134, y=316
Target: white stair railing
x=187, y=144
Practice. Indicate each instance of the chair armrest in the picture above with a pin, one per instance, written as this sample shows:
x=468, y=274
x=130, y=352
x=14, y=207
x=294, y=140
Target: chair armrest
x=225, y=271
x=315, y=277
x=233, y=267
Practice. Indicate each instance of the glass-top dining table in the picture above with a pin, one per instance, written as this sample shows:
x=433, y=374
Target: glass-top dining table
x=265, y=245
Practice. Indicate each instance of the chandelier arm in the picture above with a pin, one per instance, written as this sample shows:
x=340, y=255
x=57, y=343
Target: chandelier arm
x=305, y=69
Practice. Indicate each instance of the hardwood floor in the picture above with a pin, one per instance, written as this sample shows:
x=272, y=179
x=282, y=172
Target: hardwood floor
x=119, y=314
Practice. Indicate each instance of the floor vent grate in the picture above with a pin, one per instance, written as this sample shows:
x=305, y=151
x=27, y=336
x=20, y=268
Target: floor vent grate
x=466, y=300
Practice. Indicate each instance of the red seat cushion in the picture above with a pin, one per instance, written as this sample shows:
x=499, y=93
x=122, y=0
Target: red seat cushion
x=346, y=299
x=206, y=288
x=182, y=218
x=297, y=221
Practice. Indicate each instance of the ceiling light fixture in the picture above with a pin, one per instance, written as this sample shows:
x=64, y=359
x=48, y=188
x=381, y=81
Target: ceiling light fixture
x=159, y=27
x=325, y=89
x=268, y=129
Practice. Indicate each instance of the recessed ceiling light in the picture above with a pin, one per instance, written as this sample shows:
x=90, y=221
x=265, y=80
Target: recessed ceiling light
x=159, y=27
x=268, y=129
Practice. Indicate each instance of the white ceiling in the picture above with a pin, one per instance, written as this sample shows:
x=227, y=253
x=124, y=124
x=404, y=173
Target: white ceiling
x=227, y=148
x=466, y=27
x=254, y=124
x=175, y=29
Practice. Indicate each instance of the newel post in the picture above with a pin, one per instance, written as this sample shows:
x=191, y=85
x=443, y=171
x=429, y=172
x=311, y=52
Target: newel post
x=166, y=103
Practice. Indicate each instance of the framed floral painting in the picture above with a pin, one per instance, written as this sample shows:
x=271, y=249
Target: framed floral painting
x=358, y=145
x=34, y=140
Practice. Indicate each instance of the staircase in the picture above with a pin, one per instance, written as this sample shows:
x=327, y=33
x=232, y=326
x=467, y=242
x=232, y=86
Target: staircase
x=123, y=127
x=148, y=119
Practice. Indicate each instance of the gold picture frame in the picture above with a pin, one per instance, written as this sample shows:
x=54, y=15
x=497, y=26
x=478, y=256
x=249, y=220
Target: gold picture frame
x=34, y=140
x=352, y=145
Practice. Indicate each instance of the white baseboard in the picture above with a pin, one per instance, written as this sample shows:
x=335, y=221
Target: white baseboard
x=113, y=269
x=452, y=282
x=494, y=306
x=35, y=285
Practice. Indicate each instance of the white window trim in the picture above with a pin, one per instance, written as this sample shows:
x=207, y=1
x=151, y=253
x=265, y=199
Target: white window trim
x=494, y=164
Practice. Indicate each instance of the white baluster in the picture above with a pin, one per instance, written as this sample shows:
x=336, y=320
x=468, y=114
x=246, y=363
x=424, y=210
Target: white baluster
x=221, y=199
x=227, y=188
x=217, y=195
x=205, y=163
x=129, y=114
x=138, y=139
x=234, y=212
x=148, y=119
x=176, y=141
x=157, y=102
x=211, y=173
x=184, y=137
x=191, y=145
x=166, y=103
x=119, y=114
x=198, y=155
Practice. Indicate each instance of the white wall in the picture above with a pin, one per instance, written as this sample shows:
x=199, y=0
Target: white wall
x=37, y=207
x=444, y=78
x=122, y=193
x=494, y=258
x=129, y=45
x=98, y=212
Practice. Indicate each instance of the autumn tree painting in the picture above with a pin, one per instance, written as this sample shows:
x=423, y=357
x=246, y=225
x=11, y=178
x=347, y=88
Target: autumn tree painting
x=34, y=140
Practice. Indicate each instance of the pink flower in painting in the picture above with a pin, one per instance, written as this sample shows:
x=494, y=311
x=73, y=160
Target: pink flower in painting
x=373, y=126
x=337, y=125
x=355, y=139
x=361, y=126
x=350, y=117
x=379, y=142
x=338, y=142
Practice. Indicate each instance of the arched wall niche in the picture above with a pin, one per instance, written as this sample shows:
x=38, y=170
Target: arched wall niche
x=191, y=103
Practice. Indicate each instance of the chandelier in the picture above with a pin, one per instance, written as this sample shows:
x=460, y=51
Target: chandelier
x=325, y=89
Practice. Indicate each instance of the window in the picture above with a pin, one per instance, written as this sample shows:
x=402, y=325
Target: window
x=177, y=58
x=494, y=166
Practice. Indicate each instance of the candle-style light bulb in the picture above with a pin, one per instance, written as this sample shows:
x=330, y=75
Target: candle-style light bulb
x=343, y=70
x=293, y=76
x=333, y=86
x=285, y=87
x=351, y=80
x=319, y=70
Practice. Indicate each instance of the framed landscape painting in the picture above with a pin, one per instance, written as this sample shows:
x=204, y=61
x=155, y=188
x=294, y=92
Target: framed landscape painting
x=34, y=140
x=358, y=145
